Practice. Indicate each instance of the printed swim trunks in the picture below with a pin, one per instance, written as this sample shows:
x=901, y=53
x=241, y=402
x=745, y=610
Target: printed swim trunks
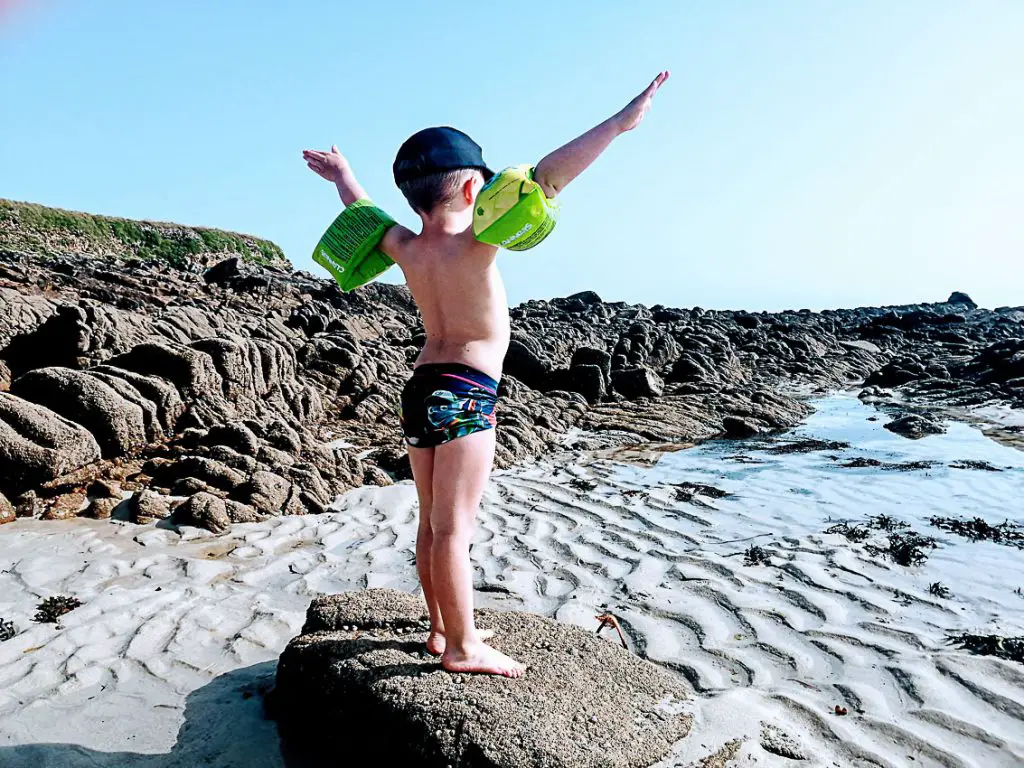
x=445, y=401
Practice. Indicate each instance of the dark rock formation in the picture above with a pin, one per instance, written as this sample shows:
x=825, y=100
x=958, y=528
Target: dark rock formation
x=273, y=392
x=359, y=667
x=915, y=426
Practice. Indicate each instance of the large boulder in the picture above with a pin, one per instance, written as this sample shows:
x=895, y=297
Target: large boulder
x=118, y=424
x=584, y=702
x=204, y=510
x=37, y=445
x=632, y=383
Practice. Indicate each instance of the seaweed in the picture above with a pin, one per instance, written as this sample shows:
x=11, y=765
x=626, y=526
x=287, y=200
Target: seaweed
x=938, y=589
x=52, y=608
x=885, y=523
x=1007, y=533
x=1010, y=648
x=889, y=466
x=984, y=466
x=808, y=445
x=689, y=492
x=7, y=630
x=582, y=485
x=905, y=549
x=856, y=533
x=756, y=555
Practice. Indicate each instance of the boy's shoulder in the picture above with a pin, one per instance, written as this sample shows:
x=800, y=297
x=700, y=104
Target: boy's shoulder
x=401, y=243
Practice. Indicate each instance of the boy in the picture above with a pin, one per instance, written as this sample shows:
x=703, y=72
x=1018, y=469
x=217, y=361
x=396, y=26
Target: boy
x=447, y=409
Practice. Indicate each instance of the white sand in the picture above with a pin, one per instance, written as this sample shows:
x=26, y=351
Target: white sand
x=178, y=634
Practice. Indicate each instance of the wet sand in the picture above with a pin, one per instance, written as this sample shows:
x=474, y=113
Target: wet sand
x=165, y=661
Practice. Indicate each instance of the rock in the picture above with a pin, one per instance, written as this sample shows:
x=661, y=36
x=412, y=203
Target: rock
x=104, y=489
x=117, y=423
x=5, y=377
x=778, y=742
x=37, y=445
x=739, y=428
x=525, y=361
x=204, y=510
x=915, y=427
x=588, y=380
x=65, y=506
x=957, y=297
x=580, y=689
x=208, y=471
x=224, y=272
x=592, y=356
x=863, y=346
x=585, y=297
x=6, y=511
x=241, y=513
x=264, y=491
x=236, y=436
x=147, y=507
x=29, y=504
x=632, y=383
x=102, y=508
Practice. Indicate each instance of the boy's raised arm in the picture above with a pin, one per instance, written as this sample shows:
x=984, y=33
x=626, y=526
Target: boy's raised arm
x=569, y=161
x=335, y=168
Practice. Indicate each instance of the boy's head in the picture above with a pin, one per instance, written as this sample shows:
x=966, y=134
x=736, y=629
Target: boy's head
x=437, y=165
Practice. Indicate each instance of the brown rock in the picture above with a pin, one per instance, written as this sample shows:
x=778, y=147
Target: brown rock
x=6, y=511
x=28, y=504
x=66, y=506
x=37, y=445
x=147, y=507
x=102, y=508
x=579, y=690
x=204, y=510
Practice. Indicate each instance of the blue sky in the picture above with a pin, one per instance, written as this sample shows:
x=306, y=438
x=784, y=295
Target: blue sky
x=804, y=154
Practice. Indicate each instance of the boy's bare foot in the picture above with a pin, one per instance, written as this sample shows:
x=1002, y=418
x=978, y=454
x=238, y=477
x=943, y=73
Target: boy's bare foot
x=480, y=658
x=436, y=641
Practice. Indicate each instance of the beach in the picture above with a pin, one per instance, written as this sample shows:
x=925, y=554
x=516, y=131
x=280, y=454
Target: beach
x=168, y=657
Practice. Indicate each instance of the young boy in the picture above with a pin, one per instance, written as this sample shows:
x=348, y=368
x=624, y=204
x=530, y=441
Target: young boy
x=447, y=409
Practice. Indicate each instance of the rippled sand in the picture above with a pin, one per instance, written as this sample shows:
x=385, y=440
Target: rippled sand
x=164, y=663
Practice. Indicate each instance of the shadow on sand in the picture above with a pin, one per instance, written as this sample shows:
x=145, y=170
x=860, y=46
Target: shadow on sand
x=225, y=726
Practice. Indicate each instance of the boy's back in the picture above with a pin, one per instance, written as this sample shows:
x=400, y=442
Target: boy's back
x=455, y=282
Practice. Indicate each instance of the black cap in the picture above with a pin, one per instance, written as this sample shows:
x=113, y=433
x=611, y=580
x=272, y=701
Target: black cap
x=435, y=150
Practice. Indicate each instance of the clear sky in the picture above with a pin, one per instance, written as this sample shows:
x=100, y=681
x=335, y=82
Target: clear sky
x=804, y=154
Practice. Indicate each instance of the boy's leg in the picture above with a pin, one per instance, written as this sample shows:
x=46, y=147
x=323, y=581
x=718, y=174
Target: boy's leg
x=461, y=469
x=422, y=462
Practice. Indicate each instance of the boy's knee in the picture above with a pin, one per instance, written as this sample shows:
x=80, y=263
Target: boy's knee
x=446, y=526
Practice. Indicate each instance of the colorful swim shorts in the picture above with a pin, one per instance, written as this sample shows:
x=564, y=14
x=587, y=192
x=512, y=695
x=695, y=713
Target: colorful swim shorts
x=445, y=401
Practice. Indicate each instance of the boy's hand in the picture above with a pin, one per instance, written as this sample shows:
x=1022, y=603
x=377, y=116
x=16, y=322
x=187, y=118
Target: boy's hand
x=631, y=115
x=329, y=165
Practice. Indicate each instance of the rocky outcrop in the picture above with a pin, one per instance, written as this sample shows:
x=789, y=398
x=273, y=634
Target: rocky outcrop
x=274, y=391
x=585, y=702
x=37, y=445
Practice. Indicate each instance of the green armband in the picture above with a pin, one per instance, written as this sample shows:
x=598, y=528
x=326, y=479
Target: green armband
x=349, y=249
x=512, y=211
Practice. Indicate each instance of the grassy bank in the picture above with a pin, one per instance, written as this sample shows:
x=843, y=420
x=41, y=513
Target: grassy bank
x=39, y=230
